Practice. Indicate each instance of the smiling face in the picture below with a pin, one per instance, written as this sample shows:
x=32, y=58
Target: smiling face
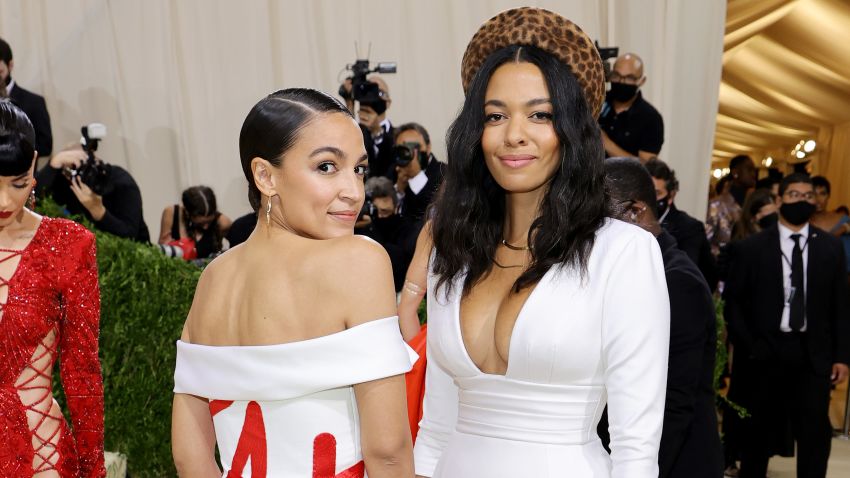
x=519, y=142
x=319, y=184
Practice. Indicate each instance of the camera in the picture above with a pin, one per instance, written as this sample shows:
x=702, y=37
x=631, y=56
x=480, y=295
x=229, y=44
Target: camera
x=406, y=152
x=93, y=173
x=363, y=90
x=606, y=53
x=181, y=249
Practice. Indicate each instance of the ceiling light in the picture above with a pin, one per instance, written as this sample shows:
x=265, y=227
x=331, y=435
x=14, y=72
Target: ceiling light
x=801, y=154
x=718, y=173
x=809, y=146
x=768, y=161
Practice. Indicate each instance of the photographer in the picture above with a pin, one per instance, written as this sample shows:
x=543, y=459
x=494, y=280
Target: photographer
x=630, y=125
x=106, y=194
x=195, y=229
x=373, y=101
x=383, y=224
x=418, y=172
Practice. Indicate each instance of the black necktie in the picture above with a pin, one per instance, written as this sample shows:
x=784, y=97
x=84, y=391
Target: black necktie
x=798, y=302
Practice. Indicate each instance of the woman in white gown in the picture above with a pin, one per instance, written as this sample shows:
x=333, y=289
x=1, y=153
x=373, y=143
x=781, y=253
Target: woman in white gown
x=291, y=359
x=540, y=309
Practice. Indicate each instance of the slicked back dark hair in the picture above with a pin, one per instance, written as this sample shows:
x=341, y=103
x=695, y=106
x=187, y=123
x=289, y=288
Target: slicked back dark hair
x=17, y=140
x=272, y=126
x=627, y=180
x=470, y=207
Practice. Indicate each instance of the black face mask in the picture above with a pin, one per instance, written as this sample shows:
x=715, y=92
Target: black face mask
x=663, y=204
x=768, y=221
x=797, y=213
x=622, y=92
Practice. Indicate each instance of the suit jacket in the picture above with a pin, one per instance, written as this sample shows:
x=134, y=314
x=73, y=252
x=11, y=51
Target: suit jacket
x=36, y=109
x=754, y=295
x=415, y=205
x=690, y=443
x=381, y=163
x=690, y=235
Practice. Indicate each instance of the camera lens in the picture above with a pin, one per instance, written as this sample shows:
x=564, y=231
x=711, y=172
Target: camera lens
x=403, y=155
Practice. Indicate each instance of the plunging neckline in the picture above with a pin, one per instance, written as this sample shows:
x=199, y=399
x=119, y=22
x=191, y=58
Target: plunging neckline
x=517, y=323
x=22, y=257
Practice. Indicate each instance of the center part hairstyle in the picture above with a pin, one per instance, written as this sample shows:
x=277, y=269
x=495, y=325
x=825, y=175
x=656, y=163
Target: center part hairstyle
x=272, y=126
x=470, y=209
x=17, y=140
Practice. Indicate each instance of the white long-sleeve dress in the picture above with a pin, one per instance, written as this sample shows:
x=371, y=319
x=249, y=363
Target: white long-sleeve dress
x=576, y=345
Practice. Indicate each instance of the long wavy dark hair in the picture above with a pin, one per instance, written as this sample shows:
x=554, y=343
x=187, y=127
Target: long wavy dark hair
x=470, y=208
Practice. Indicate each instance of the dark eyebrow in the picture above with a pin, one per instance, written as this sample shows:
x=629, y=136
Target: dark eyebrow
x=22, y=176
x=534, y=102
x=328, y=149
x=365, y=157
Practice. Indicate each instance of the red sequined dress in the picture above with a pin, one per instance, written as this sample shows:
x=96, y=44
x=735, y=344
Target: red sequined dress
x=49, y=309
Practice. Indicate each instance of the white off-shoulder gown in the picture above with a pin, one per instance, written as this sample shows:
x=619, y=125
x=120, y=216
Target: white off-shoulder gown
x=577, y=345
x=289, y=410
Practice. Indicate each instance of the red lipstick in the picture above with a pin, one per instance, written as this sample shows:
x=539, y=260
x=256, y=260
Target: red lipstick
x=5, y=214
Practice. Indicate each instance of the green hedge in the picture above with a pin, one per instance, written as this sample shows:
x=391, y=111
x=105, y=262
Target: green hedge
x=145, y=297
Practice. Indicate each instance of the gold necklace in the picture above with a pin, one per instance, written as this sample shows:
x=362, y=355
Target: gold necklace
x=515, y=248
x=500, y=266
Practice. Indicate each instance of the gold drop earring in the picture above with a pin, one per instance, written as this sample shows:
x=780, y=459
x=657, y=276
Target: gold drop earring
x=269, y=212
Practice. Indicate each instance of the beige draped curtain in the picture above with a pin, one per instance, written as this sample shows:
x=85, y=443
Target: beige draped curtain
x=786, y=78
x=173, y=80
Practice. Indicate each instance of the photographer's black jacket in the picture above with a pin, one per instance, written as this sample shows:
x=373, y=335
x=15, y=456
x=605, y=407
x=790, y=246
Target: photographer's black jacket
x=123, y=203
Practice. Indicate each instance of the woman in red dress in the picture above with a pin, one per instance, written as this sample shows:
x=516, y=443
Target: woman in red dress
x=49, y=309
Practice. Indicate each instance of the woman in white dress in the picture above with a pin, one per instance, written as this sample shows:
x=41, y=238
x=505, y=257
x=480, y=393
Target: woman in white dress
x=291, y=359
x=540, y=309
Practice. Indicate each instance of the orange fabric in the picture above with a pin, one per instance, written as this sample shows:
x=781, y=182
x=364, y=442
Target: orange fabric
x=415, y=381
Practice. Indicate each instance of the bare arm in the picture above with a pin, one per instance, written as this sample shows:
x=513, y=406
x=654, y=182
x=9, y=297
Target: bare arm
x=415, y=284
x=165, y=225
x=193, y=437
x=381, y=404
x=384, y=432
x=224, y=224
x=192, y=433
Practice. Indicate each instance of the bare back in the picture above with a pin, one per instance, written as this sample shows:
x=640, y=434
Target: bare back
x=287, y=289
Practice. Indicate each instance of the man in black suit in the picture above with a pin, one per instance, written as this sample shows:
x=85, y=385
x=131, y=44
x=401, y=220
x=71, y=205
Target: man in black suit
x=418, y=172
x=32, y=104
x=377, y=129
x=690, y=443
x=787, y=314
x=688, y=231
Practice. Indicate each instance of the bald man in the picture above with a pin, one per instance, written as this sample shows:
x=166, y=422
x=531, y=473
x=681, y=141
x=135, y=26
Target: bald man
x=630, y=125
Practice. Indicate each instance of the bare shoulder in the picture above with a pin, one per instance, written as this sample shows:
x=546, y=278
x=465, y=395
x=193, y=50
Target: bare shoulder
x=214, y=279
x=358, y=271
x=356, y=253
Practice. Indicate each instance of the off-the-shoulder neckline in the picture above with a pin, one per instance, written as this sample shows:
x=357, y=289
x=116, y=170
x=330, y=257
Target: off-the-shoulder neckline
x=358, y=327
